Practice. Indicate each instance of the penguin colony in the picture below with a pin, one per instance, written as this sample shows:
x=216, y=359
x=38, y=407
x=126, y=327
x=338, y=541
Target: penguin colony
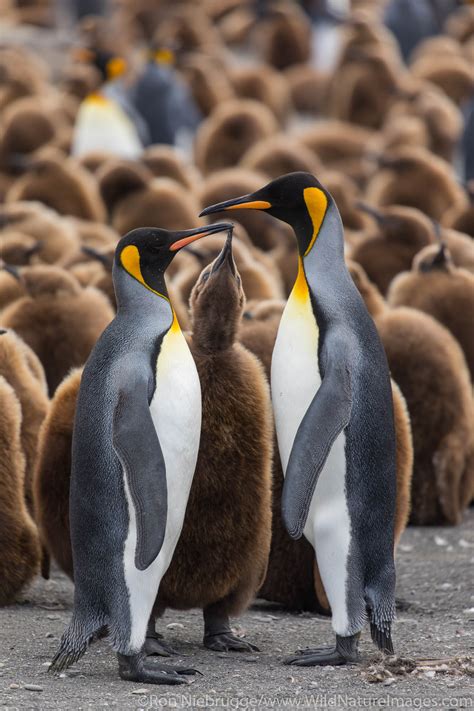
x=88, y=161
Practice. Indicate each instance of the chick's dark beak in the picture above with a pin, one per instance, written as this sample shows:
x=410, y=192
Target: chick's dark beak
x=245, y=202
x=182, y=239
x=225, y=258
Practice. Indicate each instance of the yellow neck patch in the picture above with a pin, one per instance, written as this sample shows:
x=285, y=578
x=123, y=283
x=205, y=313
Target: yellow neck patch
x=316, y=203
x=116, y=67
x=300, y=290
x=163, y=56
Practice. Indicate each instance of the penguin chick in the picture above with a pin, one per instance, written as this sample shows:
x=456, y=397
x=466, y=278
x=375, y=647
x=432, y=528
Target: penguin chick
x=135, y=198
x=58, y=319
x=441, y=116
x=428, y=365
x=453, y=74
x=340, y=146
x=400, y=233
x=462, y=218
x=56, y=239
x=278, y=155
x=94, y=234
x=60, y=183
x=224, y=184
x=167, y=162
x=18, y=248
x=53, y=472
x=231, y=538
x=308, y=88
x=19, y=559
x=232, y=128
x=264, y=84
x=19, y=366
x=403, y=178
x=209, y=83
x=11, y=287
x=285, y=36
x=26, y=126
x=441, y=290
x=257, y=281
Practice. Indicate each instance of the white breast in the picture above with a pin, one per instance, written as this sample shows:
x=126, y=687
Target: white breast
x=295, y=373
x=295, y=381
x=176, y=413
x=102, y=125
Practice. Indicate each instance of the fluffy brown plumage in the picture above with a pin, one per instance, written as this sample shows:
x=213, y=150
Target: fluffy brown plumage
x=278, y=155
x=135, y=198
x=229, y=131
x=388, y=248
x=438, y=288
x=53, y=473
x=403, y=180
x=58, y=319
x=60, y=183
x=19, y=545
x=221, y=557
x=21, y=369
x=264, y=84
x=308, y=88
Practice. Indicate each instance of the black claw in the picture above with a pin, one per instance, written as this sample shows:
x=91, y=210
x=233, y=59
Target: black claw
x=227, y=642
x=134, y=668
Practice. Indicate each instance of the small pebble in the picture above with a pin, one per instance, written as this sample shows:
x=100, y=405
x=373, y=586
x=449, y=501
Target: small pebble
x=14, y=686
x=33, y=687
x=140, y=691
x=389, y=682
x=49, y=635
x=175, y=626
x=430, y=674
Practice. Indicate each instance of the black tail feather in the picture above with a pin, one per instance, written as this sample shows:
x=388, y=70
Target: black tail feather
x=382, y=638
x=74, y=643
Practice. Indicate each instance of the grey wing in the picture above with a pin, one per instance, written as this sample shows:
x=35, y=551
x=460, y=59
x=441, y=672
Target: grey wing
x=328, y=414
x=136, y=444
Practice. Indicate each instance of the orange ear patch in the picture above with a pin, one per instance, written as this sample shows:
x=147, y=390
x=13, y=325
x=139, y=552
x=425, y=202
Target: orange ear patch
x=316, y=203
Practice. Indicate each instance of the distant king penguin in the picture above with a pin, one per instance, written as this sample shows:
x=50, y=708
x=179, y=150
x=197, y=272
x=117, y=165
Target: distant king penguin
x=334, y=419
x=134, y=451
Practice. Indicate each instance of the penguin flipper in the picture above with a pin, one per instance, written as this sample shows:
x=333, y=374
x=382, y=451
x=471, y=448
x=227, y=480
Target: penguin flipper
x=136, y=444
x=328, y=414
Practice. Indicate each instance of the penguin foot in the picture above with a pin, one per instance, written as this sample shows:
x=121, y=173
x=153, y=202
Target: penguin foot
x=155, y=645
x=346, y=650
x=228, y=642
x=134, y=668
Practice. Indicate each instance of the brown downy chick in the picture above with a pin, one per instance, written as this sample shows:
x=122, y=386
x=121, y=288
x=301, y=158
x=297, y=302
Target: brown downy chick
x=19, y=366
x=60, y=183
x=18, y=248
x=26, y=127
x=167, y=162
x=94, y=234
x=441, y=290
x=257, y=281
x=20, y=551
x=284, y=37
x=452, y=74
x=58, y=319
x=55, y=238
x=209, y=84
x=462, y=218
x=387, y=250
x=345, y=193
x=461, y=247
x=264, y=84
x=221, y=557
x=403, y=180
x=363, y=88
x=11, y=286
x=341, y=146
x=429, y=367
x=135, y=198
x=442, y=118
x=53, y=473
x=278, y=155
x=308, y=88
x=228, y=183
x=232, y=128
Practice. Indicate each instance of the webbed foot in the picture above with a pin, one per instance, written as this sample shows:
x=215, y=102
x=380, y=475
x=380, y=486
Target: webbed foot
x=228, y=642
x=135, y=668
x=345, y=651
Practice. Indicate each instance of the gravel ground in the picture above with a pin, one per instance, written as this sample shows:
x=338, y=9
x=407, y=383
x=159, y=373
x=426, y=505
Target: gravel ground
x=434, y=636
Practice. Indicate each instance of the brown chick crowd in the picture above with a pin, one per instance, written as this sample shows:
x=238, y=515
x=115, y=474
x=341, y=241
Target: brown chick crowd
x=382, y=133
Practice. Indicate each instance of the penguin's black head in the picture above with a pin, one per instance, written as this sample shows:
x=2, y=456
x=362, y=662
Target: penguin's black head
x=296, y=198
x=145, y=253
x=109, y=65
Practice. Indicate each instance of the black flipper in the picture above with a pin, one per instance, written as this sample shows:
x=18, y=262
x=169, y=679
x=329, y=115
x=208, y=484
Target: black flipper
x=136, y=443
x=328, y=414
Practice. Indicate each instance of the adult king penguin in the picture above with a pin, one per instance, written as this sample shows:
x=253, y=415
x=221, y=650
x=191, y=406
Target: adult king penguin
x=334, y=419
x=134, y=452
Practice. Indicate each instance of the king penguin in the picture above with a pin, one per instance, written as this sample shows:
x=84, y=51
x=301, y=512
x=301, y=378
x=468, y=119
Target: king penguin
x=134, y=451
x=333, y=411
